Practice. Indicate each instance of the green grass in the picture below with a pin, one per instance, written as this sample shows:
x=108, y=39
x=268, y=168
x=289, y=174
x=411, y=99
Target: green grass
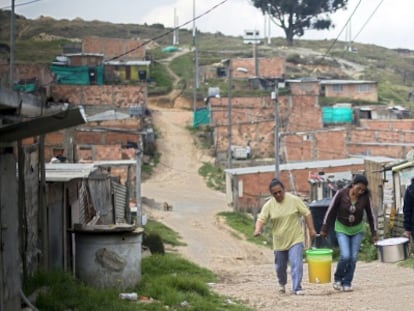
x=168, y=236
x=244, y=223
x=408, y=263
x=162, y=80
x=169, y=282
x=214, y=176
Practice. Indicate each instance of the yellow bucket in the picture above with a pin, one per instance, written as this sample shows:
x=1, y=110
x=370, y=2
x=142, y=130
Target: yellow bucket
x=319, y=265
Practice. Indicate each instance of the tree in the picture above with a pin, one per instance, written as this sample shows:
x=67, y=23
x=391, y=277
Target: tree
x=295, y=16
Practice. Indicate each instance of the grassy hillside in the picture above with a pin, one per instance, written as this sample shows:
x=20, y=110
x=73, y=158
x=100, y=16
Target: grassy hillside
x=42, y=39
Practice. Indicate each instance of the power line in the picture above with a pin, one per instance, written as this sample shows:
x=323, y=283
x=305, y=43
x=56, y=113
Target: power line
x=368, y=19
x=156, y=37
x=20, y=4
x=171, y=30
x=339, y=34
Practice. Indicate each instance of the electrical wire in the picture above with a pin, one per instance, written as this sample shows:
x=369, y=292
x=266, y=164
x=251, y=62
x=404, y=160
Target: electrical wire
x=368, y=19
x=20, y=4
x=171, y=30
x=153, y=38
x=339, y=34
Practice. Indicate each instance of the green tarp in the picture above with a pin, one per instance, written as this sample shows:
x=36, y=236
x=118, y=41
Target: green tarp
x=170, y=48
x=201, y=116
x=79, y=75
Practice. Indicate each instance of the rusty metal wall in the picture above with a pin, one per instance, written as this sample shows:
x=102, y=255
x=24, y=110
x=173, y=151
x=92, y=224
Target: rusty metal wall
x=10, y=282
x=120, y=201
x=101, y=196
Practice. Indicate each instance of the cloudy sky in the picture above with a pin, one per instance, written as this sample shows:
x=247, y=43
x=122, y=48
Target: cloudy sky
x=386, y=23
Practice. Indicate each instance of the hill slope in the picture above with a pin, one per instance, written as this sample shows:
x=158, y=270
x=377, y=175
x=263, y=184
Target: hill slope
x=42, y=39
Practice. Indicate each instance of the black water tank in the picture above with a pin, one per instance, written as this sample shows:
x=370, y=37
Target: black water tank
x=142, y=75
x=318, y=209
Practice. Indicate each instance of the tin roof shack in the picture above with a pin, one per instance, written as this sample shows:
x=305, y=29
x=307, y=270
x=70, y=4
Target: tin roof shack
x=325, y=185
x=22, y=216
x=90, y=233
x=396, y=178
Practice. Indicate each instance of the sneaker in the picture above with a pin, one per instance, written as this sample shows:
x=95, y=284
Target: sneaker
x=347, y=288
x=300, y=292
x=282, y=289
x=337, y=285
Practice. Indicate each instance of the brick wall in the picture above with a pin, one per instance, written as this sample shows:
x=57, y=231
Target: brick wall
x=29, y=71
x=404, y=124
x=273, y=67
x=113, y=47
x=304, y=114
x=252, y=120
x=350, y=91
x=117, y=96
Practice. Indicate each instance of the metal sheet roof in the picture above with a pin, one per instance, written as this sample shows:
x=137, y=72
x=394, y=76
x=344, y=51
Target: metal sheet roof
x=108, y=115
x=63, y=172
x=128, y=62
x=333, y=82
x=305, y=165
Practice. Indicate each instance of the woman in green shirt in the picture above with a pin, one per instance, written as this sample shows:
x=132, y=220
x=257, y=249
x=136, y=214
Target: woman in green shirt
x=346, y=212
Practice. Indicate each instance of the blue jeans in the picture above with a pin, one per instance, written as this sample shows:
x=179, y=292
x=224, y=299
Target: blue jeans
x=295, y=256
x=349, y=246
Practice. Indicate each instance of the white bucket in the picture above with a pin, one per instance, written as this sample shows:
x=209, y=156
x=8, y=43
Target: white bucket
x=393, y=249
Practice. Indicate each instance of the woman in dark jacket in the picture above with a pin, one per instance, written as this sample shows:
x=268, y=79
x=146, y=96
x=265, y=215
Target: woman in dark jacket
x=346, y=213
x=408, y=210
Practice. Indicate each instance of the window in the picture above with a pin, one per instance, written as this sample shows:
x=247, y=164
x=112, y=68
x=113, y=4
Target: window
x=363, y=88
x=338, y=88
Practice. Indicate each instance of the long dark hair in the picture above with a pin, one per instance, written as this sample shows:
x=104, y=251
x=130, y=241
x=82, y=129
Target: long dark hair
x=275, y=182
x=360, y=179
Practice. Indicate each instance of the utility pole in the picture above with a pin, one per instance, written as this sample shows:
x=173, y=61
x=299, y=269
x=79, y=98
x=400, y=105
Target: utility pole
x=276, y=142
x=138, y=182
x=176, y=31
x=268, y=22
x=11, y=55
x=195, y=46
x=229, y=86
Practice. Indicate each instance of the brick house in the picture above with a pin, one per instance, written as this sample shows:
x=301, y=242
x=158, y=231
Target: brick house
x=125, y=49
x=247, y=188
x=352, y=89
x=267, y=68
x=247, y=68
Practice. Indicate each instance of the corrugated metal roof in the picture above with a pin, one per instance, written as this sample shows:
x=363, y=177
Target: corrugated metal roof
x=63, y=172
x=128, y=62
x=108, y=115
x=115, y=162
x=306, y=165
x=334, y=82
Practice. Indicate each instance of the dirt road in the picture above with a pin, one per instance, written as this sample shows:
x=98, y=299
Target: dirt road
x=246, y=271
